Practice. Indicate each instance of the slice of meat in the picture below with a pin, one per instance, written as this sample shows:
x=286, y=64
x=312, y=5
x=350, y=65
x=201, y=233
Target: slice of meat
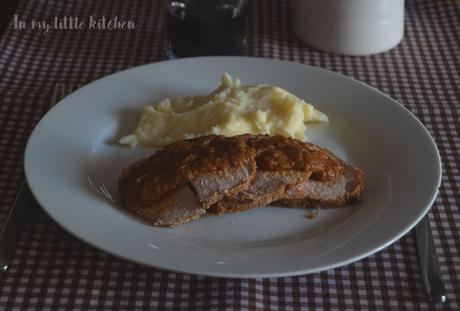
x=181, y=206
x=282, y=163
x=211, y=187
x=283, y=154
x=179, y=182
x=266, y=187
x=349, y=187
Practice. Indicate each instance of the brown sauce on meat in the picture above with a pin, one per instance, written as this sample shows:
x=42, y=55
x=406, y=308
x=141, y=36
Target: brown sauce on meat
x=154, y=178
x=274, y=153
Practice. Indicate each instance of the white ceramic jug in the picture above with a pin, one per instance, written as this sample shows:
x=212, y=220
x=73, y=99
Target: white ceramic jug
x=354, y=27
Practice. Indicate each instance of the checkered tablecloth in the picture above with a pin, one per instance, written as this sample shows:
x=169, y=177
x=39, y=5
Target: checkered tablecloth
x=54, y=270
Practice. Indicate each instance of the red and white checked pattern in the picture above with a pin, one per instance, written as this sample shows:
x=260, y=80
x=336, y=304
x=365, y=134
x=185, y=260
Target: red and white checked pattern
x=53, y=270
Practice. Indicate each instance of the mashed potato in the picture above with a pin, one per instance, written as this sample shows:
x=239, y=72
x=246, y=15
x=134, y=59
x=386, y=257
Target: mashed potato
x=231, y=109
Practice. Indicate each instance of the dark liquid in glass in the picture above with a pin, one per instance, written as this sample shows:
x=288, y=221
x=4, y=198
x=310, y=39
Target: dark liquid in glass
x=220, y=31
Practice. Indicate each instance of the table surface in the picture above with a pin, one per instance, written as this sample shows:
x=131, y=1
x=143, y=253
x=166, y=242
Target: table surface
x=54, y=270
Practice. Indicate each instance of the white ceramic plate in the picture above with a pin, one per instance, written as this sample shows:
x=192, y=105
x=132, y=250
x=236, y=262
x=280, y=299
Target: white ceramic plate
x=367, y=128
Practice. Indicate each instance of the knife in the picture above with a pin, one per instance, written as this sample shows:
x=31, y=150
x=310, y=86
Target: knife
x=429, y=266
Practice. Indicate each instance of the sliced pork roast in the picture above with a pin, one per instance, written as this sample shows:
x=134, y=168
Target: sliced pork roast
x=282, y=163
x=349, y=187
x=181, y=181
x=218, y=175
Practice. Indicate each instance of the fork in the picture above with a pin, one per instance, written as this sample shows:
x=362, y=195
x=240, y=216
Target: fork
x=24, y=198
x=100, y=189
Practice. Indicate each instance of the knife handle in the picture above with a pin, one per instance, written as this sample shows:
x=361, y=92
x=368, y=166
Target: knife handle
x=429, y=266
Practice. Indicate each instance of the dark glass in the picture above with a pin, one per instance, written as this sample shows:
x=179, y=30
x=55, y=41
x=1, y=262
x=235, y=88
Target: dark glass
x=200, y=31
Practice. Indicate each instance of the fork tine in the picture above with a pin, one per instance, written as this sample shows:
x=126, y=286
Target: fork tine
x=100, y=192
x=90, y=181
x=106, y=192
x=100, y=189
